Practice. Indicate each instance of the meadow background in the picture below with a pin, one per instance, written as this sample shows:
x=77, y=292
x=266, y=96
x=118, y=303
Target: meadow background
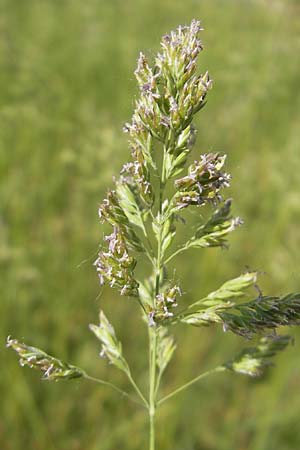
x=66, y=88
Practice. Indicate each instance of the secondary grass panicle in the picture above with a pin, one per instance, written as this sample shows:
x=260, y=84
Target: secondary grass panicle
x=254, y=360
x=53, y=369
x=143, y=215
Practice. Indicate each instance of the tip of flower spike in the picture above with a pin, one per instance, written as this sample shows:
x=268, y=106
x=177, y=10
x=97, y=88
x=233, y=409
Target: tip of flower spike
x=10, y=342
x=141, y=62
x=194, y=27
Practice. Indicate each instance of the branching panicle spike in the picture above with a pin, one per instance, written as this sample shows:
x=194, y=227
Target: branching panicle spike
x=248, y=319
x=254, y=360
x=262, y=314
x=53, y=369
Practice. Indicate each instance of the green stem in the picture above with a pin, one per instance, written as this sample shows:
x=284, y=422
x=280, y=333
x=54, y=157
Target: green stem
x=111, y=385
x=147, y=253
x=137, y=390
x=189, y=383
x=184, y=310
x=163, y=170
x=180, y=250
x=142, y=306
x=152, y=433
x=152, y=396
x=158, y=382
x=152, y=332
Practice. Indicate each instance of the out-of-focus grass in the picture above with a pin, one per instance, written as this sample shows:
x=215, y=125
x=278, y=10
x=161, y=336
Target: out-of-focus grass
x=66, y=87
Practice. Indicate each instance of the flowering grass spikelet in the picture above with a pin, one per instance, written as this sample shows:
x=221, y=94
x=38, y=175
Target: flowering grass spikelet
x=203, y=182
x=116, y=267
x=165, y=303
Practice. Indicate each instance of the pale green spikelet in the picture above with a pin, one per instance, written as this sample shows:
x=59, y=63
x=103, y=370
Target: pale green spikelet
x=111, y=346
x=165, y=349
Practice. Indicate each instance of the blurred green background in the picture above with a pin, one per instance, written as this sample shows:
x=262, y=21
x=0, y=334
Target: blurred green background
x=66, y=88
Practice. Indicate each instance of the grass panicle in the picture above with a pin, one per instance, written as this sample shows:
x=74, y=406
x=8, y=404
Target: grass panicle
x=156, y=189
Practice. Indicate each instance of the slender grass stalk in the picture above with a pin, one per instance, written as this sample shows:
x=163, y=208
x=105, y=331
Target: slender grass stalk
x=152, y=399
x=153, y=336
x=190, y=383
x=176, y=253
x=115, y=388
x=138, y=391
